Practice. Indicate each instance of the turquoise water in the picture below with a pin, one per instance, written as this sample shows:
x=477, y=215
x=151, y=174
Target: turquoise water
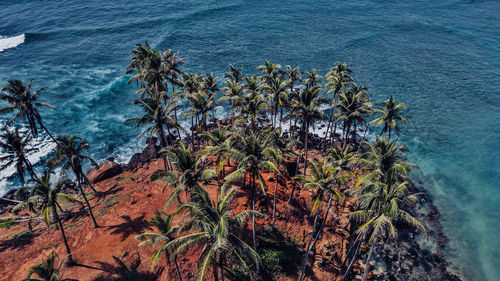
x=442, y=58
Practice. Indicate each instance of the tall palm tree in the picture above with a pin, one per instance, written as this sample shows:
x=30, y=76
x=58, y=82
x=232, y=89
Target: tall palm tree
x=390, y=115
x=277, y=92
x=166, y=229
x=218, y=143
x=15, y=152
x=171, y=63
x=252, y=106
x=269, y=70
x=306, y=108
x=338, y=79
x=234, y=74
x=46, y=270
x=232, y=93
x=189, y=171
x=211, y=88
x=69, y=153
x=253, y=155
x=46, y=195
x=20, y=98
x=384, y=160
x=324, y=181
x=157, y=116
x=212, y=225
x=381, y=206
x=200, y=105
x=354, y=104
x=148, y=69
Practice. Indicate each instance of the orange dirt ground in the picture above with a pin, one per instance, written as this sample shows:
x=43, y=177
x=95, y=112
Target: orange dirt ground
x=128, y=203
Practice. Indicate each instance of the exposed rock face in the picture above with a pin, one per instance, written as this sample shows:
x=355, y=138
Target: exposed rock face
x=149, y=153
x=106, y=170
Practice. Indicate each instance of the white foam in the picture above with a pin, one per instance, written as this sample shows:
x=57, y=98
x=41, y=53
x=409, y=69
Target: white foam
x=10, y=42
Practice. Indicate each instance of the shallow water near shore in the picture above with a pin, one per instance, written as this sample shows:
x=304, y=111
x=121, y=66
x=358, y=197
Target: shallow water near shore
x=440, y=58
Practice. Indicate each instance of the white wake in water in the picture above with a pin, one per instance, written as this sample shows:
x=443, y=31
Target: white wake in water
x=10, y=42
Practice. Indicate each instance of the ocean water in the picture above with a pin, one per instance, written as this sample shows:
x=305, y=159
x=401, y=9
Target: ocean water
x=442, y=58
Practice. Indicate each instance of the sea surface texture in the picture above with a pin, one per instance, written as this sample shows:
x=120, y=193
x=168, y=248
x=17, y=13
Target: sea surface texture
x=441, y=58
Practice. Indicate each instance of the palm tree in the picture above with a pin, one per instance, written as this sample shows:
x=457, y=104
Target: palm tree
x=232, y=93
x=269, y=70
x=157, y=117
x=381, y=206
x=70, y=151
x=384, y=160
x=166, y=234
x=234, y=74
x=218, y=143
x=338, y=79
x=306, y=107
x=46, y=270
x=353, y=105
x=20, y=98
x=212, y=226
x=189, y=171
x=253, y=156
x=148, y=69
x=390, y=114
x=15, y=152
x=277, y=92
x=46, y=195
x=200, y=105
x=211, y=88
x=252, y=106
x=323, y=180
x=171, y=64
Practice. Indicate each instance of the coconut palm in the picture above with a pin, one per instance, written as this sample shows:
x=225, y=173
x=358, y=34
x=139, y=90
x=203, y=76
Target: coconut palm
x=218, y=143
x=69, y=153
x=156, y=117
x=232, y=93
x=171, y=64
x=253, y=155
x=148, y=69
x=234, y=74
x=354, y=104
x=381, y=206
x=20, y=98
x=252, y=106
x=384, y=160
x=189, y=171
x=306, y=108
x=46, y=270
x=213, y=226
x=211, y=87
x=166, y=229
x=323, y=181
x=277, y=92
x=338, y=79
x=200, y=105
x=390, y=115
x=46, y=196
x=15, y=152
x=269, y=70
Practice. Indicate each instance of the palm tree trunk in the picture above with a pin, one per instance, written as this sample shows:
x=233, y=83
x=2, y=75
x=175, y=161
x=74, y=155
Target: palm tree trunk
x=323, y=221
x=330, y=120
x=308, y=248
x=88, y=182
x=305, y=147
x=274, y=201
x=87, y=202
x=46, y=130
x=216, y=272
x=367, y=266
x=253, y=217
x=54, y=210
x=390, y=132
x=177, y=268
x=221, y=266
x=30, y=168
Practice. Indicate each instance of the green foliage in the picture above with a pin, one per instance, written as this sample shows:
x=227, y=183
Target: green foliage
x=280, y=256
x=7, y=223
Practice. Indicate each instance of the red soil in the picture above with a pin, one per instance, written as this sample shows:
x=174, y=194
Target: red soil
x=129, y=202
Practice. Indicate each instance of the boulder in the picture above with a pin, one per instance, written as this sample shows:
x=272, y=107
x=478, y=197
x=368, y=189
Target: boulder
x=149, y=153
x=105, y=171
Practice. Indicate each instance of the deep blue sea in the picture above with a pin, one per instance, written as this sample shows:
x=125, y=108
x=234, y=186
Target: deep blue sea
x=441, y=58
